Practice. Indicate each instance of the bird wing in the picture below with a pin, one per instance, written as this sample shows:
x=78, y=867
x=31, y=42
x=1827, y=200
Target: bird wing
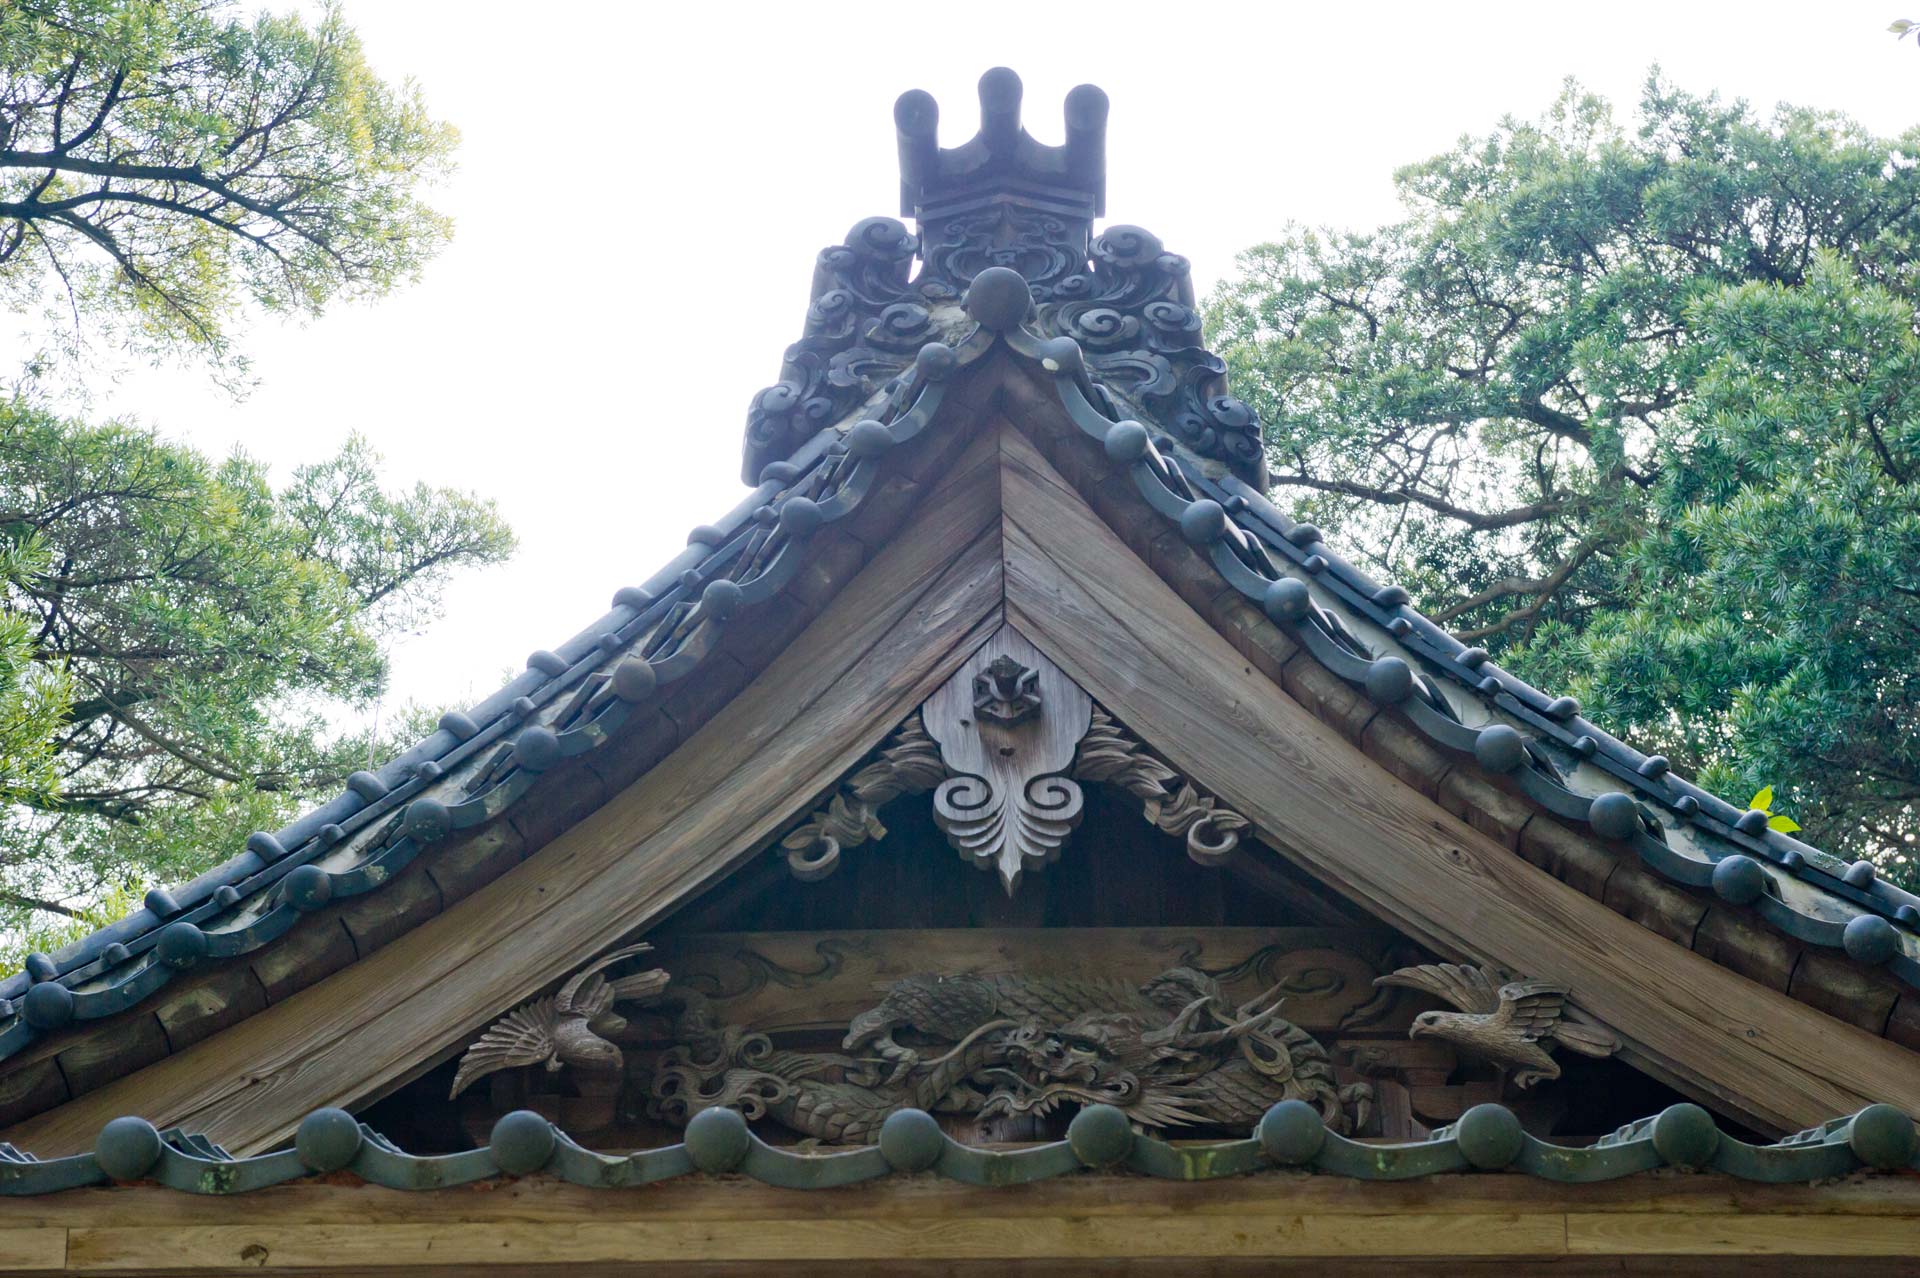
x=1470, y=989
x=524, y=1036
x=1579, y=1032
x=586, y=993
x=1530, y=1008
x=640, y=987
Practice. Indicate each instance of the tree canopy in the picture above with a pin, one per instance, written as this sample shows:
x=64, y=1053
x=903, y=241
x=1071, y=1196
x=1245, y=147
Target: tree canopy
x=164, y=163
x=202, y=623
x=1634, y=408
x=178, y=634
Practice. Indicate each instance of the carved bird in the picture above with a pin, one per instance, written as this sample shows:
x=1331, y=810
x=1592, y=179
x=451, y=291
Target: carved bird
x=567, y=1028
x=1510, y=1024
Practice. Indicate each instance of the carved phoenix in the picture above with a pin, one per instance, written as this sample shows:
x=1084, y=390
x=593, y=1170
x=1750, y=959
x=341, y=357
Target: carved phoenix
x=567, y=1028
x=1510, y=1024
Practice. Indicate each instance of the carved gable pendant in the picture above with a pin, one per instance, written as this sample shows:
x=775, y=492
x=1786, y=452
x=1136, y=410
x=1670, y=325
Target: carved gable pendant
x=1005, y=745
x=1007, y=724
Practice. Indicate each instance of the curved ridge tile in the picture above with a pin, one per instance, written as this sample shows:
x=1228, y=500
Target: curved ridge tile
x=1292, y=1134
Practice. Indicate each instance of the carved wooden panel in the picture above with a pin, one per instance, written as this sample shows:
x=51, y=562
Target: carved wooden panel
x=1003, y=1033
x=775, y=982
x=1008, y=723
x=1004, y=745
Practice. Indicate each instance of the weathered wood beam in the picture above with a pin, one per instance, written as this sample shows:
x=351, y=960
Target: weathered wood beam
x=1080, y=595
x=922, y=1223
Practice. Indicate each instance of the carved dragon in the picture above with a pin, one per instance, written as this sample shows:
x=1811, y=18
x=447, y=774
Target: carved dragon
x=1170, y=1053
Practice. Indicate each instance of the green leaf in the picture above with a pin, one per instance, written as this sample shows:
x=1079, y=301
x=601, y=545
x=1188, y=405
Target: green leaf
x=1784, y=824
x=1901, y=26
x=1763, y=801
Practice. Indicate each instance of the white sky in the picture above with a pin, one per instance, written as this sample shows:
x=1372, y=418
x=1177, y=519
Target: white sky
x=642, y=191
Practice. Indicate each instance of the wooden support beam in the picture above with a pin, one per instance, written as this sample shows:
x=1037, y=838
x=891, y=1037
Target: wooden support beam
x=923, y=1225
x=1106, y=618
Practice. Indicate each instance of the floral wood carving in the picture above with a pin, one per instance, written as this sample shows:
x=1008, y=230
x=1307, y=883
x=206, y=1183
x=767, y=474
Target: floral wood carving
x=1008, y=805
x=910, y=763
x=572, y=1028
x=1172, y=1052
x=1111, y=755
x=1511, y=1024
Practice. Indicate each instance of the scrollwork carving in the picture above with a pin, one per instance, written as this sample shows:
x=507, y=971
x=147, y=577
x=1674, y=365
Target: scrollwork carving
x=1009, y=828
x=910, y=763
x=1004, y=746
x=1112, y=755
x=864, y=324
x=1040, y=245
x=1007, y=723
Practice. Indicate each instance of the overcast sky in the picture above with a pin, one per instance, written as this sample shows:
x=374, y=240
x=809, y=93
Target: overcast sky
x=640, y=198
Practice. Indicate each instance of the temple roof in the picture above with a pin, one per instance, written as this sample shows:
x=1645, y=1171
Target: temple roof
x=1107, y=323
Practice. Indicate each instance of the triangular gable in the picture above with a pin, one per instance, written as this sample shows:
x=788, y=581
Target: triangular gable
x=1313, y=702
x=1003, y=539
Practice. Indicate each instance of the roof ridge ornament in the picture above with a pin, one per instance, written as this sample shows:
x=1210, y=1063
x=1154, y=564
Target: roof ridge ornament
x=1002, y=161
x=1004, y=200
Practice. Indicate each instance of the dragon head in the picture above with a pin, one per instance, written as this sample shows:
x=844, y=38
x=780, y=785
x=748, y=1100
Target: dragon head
x=1039, y=1093
x=1045, y=1067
